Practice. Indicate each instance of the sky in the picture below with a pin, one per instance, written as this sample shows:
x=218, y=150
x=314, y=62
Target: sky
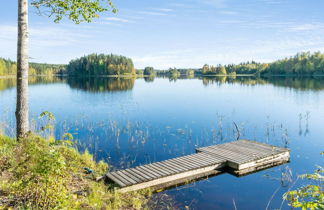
x=169, y=33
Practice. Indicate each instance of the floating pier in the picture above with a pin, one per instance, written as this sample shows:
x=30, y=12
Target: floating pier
x=239, y=158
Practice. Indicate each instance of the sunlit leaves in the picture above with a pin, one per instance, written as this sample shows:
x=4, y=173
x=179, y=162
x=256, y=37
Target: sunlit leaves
x=76, y=10
x=50, y=115
x=310, y=196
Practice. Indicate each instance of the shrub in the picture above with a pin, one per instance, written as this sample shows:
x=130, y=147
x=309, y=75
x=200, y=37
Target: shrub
x=310, y=196
x=47, y=174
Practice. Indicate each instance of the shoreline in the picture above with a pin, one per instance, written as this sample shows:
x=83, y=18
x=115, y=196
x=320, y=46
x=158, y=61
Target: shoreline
x=147, y=76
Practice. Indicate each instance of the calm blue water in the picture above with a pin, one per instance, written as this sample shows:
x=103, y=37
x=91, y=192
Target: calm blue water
x=130, y=122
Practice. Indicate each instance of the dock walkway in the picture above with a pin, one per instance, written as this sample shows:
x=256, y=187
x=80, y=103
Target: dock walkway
x=239, y=158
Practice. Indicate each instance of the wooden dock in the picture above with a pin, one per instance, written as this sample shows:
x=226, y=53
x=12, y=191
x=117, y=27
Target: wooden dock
x=239, y=158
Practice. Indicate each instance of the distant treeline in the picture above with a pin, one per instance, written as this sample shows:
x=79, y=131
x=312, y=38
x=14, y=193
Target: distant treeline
x=95, y=65
x=300, y=64
x=173, y=72
x=209, y=70
x=101, y=64
x=8, y=67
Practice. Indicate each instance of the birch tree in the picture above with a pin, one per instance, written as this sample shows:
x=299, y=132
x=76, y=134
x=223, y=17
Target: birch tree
x=77, y=11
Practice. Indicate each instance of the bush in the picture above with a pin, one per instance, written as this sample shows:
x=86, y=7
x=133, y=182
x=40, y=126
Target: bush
x=310, y=196
x=47, y=174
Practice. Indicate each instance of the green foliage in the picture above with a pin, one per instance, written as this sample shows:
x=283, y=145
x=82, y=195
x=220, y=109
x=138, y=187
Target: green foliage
x=176, y=72
x=67, y=136
x=77, y=11
x=45, y=69
x=8, y=67
x=300, y=64
x=246, y=68
x=221, y=70
x=310, y=196
x=139, y=72
x=190, y=72
x=6, y=152
x=47, y=127
x=36, y=173
x=101, y=64
x=212, y=70
x=173, y=72
x=149, y=71
x=47, y=114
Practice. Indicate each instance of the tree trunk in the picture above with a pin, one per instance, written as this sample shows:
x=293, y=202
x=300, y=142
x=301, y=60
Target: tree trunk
x=22, y=122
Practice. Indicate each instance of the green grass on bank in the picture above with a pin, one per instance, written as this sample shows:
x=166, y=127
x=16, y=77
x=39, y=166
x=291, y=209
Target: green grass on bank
x=38, y=173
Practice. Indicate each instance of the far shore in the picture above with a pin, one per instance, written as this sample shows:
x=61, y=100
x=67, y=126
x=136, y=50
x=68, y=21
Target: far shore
x=156, y=75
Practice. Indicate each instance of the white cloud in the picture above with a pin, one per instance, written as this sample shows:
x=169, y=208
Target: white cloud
x=164, y=9
x=226, y=12
x=262, y=50
x=41, y=39
x=8, y=41
x=307, y=27
x=116, y=19
x=152, y=13
x=109, y=23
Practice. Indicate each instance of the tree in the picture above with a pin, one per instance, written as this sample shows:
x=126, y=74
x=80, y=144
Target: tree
x=77, y=11
x=101, y=64
x=221, y=70
x=22, y=122
x=149, y=71
x=2, y=67
x=205, y=69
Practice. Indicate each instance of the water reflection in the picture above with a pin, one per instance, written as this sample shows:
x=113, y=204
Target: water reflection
x=6, y=83
x=107, y=84
x=161, y=120
x=311, y=83
x=102, y=84
x=149, y=79
x=304, y=84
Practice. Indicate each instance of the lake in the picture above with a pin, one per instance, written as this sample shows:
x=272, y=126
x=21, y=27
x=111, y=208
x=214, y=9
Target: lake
x=129, y=122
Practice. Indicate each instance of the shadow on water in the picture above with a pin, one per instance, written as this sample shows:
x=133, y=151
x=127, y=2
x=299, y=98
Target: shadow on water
x=7, y=83
x=297, y=83
x=149, y=79
x=108, y=84
x=101, y=84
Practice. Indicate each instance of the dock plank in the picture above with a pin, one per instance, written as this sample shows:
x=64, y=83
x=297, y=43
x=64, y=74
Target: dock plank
x=240, y=157
x=140, y=174
x=139, y=177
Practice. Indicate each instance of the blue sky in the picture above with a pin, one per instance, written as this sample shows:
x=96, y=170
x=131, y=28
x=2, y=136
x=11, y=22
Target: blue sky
x=183, y=33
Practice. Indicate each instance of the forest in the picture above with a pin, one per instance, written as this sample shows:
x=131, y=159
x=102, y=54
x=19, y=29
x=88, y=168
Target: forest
x=300, y=64
x=174, y=72
x=305, y=63
x=8, y=67
x=101, y=64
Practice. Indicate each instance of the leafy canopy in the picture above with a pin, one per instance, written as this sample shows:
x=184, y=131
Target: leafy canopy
x=310, y=196
x=76, y=10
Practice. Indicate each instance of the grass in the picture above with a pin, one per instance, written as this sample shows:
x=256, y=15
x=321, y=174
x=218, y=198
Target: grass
x=39, y=173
